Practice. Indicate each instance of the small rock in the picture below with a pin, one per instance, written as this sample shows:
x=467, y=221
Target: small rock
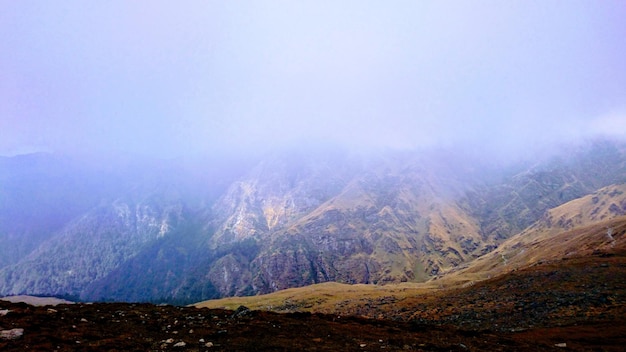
x=191, y=331
x=11, y=334
x=242, y=311
x=180, y=344
x=4, y=312
x=208, y=344
x=83, y=320
x=51, y=310
x=562, y=345
x=363, y=345
x=170, y=340
x=201, y=340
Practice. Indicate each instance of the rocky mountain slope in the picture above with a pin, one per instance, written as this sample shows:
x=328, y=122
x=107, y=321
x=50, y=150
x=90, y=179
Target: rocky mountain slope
x=386, y=223
x=180, y=233
x=583, y=262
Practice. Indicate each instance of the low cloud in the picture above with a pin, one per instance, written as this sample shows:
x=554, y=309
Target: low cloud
x=611, y=125
x=211, y=77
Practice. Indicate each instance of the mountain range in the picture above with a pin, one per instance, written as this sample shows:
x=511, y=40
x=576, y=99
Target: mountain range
x=184, y=231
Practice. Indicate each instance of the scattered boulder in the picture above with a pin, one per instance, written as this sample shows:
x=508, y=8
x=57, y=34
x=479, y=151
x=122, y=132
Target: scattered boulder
x=242, y=311
x=11, y=334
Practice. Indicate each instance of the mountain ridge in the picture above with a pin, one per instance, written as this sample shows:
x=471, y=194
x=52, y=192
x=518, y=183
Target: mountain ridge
x=296, y=219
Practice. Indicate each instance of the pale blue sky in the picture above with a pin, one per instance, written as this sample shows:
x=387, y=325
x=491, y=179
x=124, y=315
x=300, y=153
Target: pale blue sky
x=201, y=77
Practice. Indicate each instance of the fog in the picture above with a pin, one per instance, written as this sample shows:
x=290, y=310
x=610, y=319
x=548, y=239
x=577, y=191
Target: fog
x=166, y=79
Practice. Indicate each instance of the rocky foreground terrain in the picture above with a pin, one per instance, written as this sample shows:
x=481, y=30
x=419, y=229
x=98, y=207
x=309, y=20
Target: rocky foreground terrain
x=574, y=304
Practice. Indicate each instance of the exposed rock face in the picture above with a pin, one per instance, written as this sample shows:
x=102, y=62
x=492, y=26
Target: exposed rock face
x=399, y=223
x=299, y=219
x=276, y=192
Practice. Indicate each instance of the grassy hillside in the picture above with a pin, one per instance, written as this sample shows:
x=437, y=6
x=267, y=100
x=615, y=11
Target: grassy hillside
x=577, y=228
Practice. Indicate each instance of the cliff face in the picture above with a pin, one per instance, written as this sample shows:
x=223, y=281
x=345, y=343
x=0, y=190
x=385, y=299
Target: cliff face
x=165, y=234
x=378, y=229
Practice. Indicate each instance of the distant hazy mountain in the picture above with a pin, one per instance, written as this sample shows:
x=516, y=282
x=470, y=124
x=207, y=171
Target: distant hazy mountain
x=186, y=231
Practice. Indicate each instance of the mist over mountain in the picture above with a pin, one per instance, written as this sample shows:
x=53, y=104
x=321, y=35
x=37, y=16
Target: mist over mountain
x=214, y=78
x=420, y=175
x=187, y=230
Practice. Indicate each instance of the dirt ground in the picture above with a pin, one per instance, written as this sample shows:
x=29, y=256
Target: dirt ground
x=143, y=327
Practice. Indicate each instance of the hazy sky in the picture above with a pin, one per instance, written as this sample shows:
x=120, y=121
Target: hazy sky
x=174, y=77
